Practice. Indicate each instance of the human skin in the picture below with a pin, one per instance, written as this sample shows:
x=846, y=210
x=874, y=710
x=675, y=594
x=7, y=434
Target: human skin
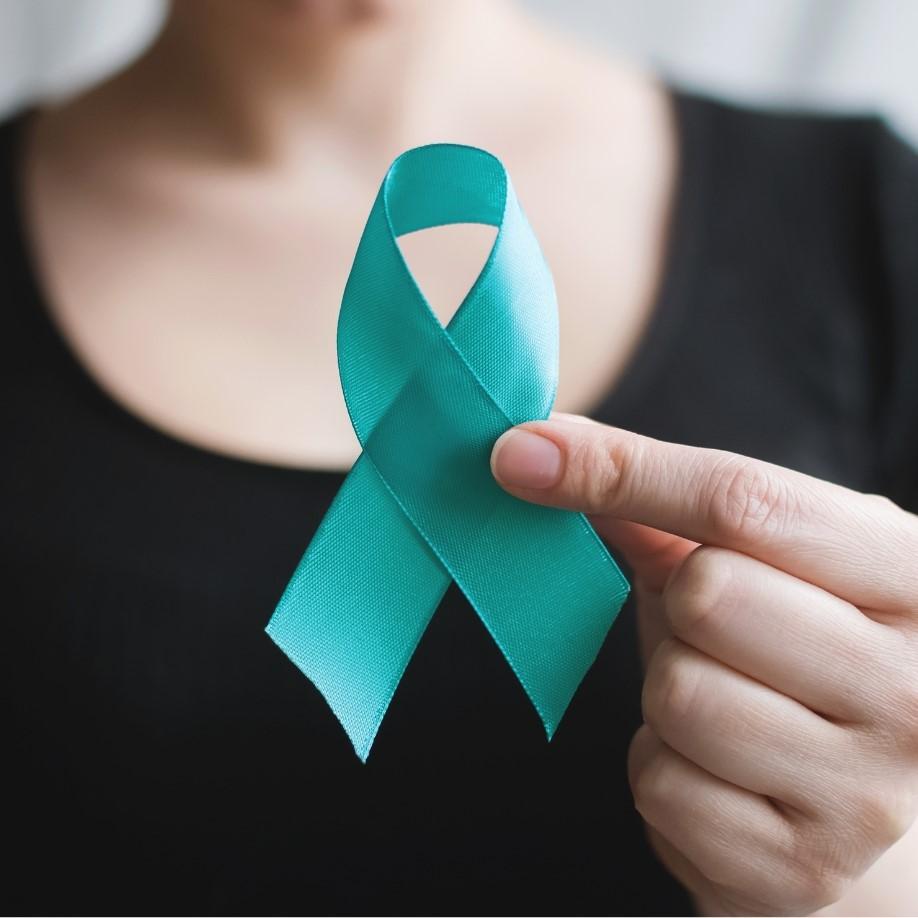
x=778, y=760
x=222, y=181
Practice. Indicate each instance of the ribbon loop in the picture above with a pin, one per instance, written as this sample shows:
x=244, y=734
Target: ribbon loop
x=420, y=507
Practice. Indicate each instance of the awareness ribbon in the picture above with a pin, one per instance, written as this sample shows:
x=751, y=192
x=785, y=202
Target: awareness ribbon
x=420, y=507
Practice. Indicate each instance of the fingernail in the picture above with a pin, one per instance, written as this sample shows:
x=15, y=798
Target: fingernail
x=523, y=459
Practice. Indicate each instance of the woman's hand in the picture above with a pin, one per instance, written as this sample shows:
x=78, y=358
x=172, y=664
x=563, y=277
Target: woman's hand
x=779, y=615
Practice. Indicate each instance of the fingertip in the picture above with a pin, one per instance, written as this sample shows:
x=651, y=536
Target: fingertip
x=523, y=459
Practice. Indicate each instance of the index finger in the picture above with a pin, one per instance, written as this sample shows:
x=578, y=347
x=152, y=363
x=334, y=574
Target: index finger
x=858, y=546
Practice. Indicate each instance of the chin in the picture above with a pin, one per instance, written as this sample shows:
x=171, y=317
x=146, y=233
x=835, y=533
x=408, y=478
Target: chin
x=335, y=11
x=290, y=22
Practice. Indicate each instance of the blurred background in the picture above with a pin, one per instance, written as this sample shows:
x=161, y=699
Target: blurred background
x=853, y=54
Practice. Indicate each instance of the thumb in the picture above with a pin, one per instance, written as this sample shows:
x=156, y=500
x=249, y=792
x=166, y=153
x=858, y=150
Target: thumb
x=579, y=464
x=568, y=469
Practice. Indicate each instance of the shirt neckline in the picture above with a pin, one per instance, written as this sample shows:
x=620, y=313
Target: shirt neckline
x=681, y=246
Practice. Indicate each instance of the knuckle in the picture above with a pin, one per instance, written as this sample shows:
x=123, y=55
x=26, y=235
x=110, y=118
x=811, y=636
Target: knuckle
x=883, y=814
x=643, y=745
x=826, y=857
x=904, y=723
x=903, y=528
x=598, y=470
x=748, y=501
x=817, y=873
x=908, y=696
x=883, y=503
x=817, y=887
x=670, y=687
x=897, y=719
x=651, y=786
x=697, y=597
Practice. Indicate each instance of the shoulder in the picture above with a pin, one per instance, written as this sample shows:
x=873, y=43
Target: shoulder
x=13, y=249
x=841, y=137
x=20, y=298
x=10, y=133
x=836, y=193
x=841, y=168
x=826, y=205
x=13, y=254
x=9, y=127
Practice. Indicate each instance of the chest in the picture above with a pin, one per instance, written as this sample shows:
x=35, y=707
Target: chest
x=142, y=694
x=210, y=309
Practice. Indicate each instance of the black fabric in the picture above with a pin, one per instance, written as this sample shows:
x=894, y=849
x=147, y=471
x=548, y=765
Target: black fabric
x=164, y=757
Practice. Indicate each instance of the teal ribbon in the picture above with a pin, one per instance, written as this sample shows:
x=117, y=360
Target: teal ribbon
x=420, y=507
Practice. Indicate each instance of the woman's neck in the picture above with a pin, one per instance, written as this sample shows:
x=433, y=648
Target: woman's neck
x=195, y=216
x=275, y=87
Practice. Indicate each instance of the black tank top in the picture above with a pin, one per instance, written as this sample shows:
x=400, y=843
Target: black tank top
x=163, y=755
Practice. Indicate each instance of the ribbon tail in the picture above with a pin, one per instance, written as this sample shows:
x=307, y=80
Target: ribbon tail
x=358, y=603
x=539, y=578
x=550, y=608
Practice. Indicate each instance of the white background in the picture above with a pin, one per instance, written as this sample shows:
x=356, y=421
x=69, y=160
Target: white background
x=848, y=53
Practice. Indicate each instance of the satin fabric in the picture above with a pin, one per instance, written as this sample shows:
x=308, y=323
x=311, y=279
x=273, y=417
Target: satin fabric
x=420, y=507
